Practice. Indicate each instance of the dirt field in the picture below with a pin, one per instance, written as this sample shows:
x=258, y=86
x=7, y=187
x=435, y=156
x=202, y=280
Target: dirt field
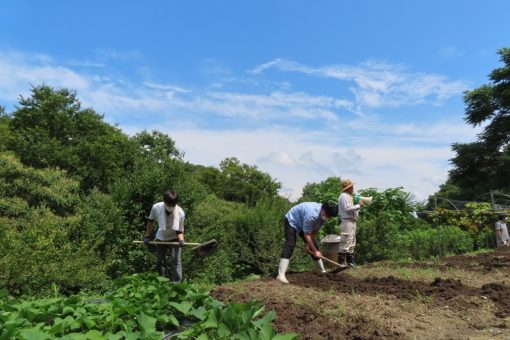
x=461, y=297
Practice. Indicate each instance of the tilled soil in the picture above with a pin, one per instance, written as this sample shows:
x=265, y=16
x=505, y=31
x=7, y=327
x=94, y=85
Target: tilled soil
x=460, y=297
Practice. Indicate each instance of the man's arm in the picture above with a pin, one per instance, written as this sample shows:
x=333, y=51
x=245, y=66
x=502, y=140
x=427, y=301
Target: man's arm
x=309, y=236
x=148, y=228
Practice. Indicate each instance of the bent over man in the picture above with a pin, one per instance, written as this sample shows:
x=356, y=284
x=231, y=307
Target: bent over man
x=305, y=220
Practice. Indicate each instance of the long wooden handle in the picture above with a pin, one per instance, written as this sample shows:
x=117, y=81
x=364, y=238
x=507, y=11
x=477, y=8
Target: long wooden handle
x=331, y=261
x=170, y=243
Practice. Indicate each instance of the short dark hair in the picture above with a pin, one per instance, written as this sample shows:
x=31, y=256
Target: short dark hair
x=501, y=216
x=171, y=197
x=331, y=208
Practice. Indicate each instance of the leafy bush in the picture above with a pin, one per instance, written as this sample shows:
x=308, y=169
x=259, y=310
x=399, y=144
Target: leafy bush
x=473, y=218
x=429, y=242
x=381, y=223
x=38, y=224
x=250, y=239
x=213, y=218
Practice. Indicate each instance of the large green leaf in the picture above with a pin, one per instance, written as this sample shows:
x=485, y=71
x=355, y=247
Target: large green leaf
x=211, y=321
x=147, y=323
x=182, y=307
x=34, y=333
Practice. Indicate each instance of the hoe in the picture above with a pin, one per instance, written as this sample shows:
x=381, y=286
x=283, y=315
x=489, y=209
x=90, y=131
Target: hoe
x=200, y=249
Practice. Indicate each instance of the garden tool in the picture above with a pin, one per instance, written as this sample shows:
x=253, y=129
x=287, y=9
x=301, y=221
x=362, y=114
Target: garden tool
x=200, y=249
x=340, y=266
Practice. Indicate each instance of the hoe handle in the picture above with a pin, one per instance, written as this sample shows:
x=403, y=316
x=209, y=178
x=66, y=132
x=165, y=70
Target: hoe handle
x=331, y=261
x=170, y=243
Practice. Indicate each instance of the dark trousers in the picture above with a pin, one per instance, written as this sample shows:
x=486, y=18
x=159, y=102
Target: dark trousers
x=290, y=241
x=174, y=273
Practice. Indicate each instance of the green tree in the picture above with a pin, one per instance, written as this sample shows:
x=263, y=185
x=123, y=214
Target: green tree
x=327, y=190
x=5, y=134
x=156, y=146
x=244, y=183
x=157, y=167
x=51, y=129
x=484, y=165
x=209, y=176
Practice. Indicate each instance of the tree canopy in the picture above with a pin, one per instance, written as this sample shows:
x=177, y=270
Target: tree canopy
x=50, y=129
x=484, y=165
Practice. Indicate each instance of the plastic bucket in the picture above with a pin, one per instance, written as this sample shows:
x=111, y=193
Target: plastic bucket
x=329, y=249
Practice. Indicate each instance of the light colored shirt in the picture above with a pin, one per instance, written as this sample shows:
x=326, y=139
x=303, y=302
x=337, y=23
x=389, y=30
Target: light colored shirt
x=169, y=223
x=305, y=217
x=503, y=237
x=346, y=207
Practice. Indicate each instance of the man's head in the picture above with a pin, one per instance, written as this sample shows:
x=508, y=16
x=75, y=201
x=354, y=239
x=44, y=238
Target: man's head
x=171, y=198
x=347, y=186
x=502, y=217
x=329, y=209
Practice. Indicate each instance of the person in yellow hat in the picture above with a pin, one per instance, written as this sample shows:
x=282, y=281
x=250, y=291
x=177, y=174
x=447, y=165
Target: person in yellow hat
x=348, y=212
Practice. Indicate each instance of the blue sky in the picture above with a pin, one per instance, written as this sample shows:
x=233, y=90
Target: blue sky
x=366, y=90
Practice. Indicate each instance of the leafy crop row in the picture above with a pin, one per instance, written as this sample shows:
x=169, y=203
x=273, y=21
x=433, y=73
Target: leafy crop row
x=141, y=306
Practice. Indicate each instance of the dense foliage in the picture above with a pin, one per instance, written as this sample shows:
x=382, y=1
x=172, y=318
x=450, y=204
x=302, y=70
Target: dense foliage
x=41, y=238
x=484, y=165
x=50, y=129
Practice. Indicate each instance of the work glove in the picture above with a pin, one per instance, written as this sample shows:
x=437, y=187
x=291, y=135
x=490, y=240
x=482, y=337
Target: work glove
x=146, y=240
x=181, y=243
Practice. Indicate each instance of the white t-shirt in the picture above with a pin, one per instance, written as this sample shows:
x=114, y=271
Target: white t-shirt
x=504, y=233
x=168, y=223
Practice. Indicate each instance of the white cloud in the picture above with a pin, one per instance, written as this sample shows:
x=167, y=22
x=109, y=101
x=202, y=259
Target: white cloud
x=18, y=71
x=278, y=158
x=272, y=105
x=116, y=97
x=379, y=84
x=165, y=87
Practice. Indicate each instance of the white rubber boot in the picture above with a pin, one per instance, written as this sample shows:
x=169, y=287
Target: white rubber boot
x=282, y=269
x=320, y=267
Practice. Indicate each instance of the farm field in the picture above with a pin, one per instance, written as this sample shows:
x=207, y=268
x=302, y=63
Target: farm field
x=456, y=297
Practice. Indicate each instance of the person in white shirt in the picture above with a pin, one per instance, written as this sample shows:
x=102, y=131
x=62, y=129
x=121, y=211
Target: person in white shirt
x=348, y=212
x=170, y=218
x=502, y=237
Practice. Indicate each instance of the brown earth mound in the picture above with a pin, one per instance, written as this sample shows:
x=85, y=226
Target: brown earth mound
x=455, y=298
